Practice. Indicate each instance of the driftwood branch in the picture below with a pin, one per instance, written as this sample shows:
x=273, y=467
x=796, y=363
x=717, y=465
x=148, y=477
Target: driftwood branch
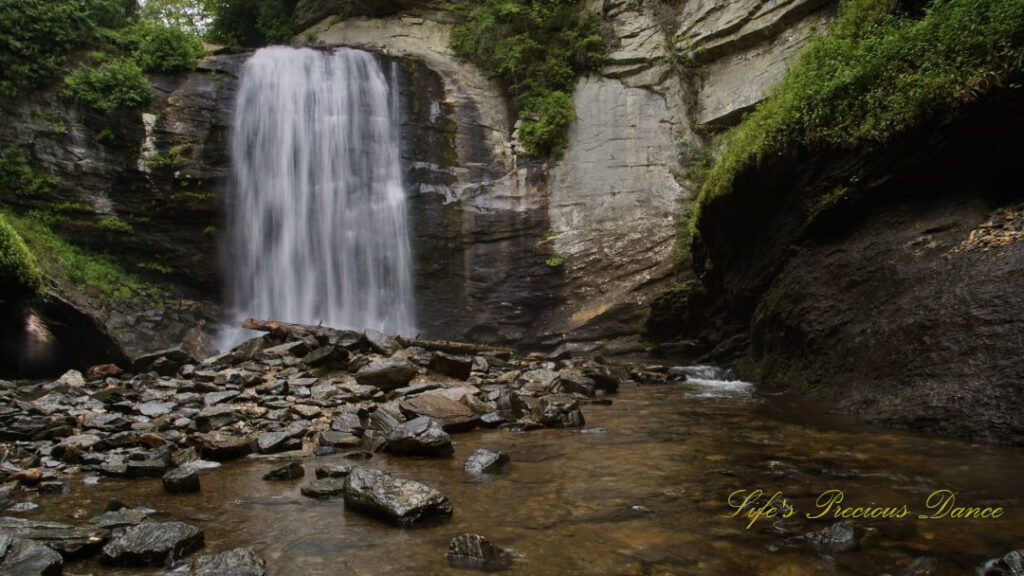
x=448, y=346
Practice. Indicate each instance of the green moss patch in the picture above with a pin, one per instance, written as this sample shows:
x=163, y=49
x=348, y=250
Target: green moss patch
x=874, y=74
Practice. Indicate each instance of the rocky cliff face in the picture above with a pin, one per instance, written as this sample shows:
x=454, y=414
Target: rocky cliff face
x=157, y=176
x=898, y=298
x=571, y=252
x=568, y=252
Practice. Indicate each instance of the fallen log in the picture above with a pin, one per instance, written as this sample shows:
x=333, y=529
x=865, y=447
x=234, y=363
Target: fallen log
x=447, y=346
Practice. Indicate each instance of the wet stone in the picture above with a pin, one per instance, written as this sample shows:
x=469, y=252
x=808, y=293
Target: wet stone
x=182, y=480
x=112, y=519
x=22, y=557
x=70, y=541
x=152, y=544
x=400, y=501
x=237, y=562
x=324, y=488
x=485, y=461
x=290, y=471
x=474, y=552
x=451, y=415
x=333, y=471
x=419, y=437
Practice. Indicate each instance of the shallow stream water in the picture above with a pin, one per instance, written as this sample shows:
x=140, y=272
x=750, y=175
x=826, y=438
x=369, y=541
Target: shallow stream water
x=565, y=504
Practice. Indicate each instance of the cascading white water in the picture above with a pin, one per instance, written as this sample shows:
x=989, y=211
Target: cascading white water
x=318, y=230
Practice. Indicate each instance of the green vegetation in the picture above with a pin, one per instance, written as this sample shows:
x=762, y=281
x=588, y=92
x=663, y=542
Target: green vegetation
x=251, y=23
x=35, y=39
x=536, y=48
x=155, y=267
x=115, y=84
x=18, y=269
x=18, y=175
x=165, y=49
x=555, y=262
x=75, y=265
x=115, y=224
x=210, y=231
x=875, y=74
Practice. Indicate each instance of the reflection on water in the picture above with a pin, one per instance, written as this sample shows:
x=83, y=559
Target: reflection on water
x=644, y=496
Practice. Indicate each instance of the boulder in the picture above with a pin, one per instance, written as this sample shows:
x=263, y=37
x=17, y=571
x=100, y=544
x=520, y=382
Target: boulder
x=220, y=446
x=451, y=415
x=387, y=374
x=333, y=471
x=290, y=471
x=274, y=442
x=237, y=562
x=455, y=366
x=419, y=437
x=382, y=343
x=182, y=480
x=403, y=502
x=474, y=552
x=22, y=557
x=152, y=544
x=69, y=541
x=485, y=461
x=570, y=382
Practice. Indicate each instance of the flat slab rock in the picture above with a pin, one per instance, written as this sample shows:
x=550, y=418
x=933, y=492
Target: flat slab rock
x=68, y=540
x=419, y=437
x=400, y=501
x=152, y=544
x=22, y=557
x=237, y=562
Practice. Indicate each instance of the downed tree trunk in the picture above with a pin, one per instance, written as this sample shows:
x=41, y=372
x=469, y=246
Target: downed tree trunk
x=448, y=346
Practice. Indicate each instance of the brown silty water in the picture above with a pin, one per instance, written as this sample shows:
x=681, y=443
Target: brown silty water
x=642, y=490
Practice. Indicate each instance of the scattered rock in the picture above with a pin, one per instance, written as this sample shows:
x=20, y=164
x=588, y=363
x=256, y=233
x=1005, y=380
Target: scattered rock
x=400, y=501
x=387, y=374
x=420, y=437
x=152, y=544
x=324, y=488
x=485, y=461
x=27, y=558
x=290, y=471
x=182, y=480
x=382, y=343
x=237, y=562
x=839, y=537
x=474, y=552
x=333, y=471
x=455, y=366
x=70, y=541
x=451, y=415
x=220, y=446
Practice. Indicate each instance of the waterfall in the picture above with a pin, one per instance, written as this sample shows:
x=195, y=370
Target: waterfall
x=317, y=219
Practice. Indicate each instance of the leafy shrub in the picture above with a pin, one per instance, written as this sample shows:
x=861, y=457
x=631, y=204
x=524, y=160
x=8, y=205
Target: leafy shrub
x=114, y=84
x=536, y=48
x=18, y=270
x=168, y=49
x=35, y=39
x=18, y=175
x=875, y=74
